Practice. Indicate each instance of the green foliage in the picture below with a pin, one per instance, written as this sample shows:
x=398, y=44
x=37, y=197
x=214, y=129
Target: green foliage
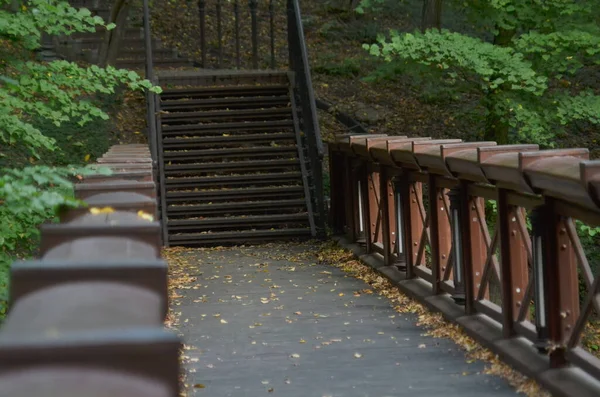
x=523, y=75
x=34, y=95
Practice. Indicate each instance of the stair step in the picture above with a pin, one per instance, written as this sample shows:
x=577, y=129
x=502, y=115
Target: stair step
x=233, y=180
x=228, y=153
x=226, y=103
x=226, y=195
x=212, y=78
x=236, y=222
x=190, y=143
x=240, y=237
x=241, y=208
x=220, y=128
x=224, y=115
x=225, y=91
x=157, y=63
x=234, y=166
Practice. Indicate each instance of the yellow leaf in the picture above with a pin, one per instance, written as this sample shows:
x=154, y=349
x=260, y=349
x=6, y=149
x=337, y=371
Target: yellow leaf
x=199, y=386
x=87, y=157
x=105, y=210
x=223, y=321
x=137, y=132
x=341, y=294
x=145, y=216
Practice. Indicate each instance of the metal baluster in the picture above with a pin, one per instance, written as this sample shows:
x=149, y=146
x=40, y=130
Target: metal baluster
x=272, y=28
x=219, y=33
x=537, y=251
x=202, y=11
x=236, y=11
x=457, y=254
x=253, y=8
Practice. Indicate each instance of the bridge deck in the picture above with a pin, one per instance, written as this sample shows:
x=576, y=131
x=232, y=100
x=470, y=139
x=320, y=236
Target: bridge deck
x=269, y=321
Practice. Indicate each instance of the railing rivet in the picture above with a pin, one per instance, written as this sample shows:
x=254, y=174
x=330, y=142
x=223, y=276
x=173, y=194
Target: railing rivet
x=415, y=244
x=563, y=247
x=443, y=256
x=414, y=201
x=563, y=230
x=568, y=326
x=518, y=290
x=518, y=304
x=444, y=268
x=513, y=233
x=563, y=314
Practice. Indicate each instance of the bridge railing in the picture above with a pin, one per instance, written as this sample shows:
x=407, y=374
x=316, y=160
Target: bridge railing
x=86, y=318
x=486, y=234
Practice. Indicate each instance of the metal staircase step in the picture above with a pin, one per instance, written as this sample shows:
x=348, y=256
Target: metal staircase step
x=226, y=103
x=234, y=166
x=233, y=180
x=245, y=194
x=220, y=128
x=238, y=237
x=226, y=115
x=157, y=62
x=191, y=143
x=222, y=77
x=230, y=153
x=236, y=208
x=237, y=222
x=224, y=92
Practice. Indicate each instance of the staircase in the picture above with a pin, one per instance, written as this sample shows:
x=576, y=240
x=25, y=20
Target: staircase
x=131, y=54
x=233, y=163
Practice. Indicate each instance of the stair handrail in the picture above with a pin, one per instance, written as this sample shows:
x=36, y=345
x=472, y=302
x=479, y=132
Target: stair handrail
x=149, y=72
x=298, y=57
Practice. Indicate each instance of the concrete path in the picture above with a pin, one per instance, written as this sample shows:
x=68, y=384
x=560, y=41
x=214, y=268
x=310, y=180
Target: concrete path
x=269, y=321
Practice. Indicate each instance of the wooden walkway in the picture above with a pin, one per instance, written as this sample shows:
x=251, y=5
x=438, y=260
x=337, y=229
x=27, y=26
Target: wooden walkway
x=269, y=321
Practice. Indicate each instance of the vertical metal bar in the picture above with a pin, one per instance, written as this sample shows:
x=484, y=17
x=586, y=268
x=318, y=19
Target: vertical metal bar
x=385, y=197
x=236, y=12
x=202, y=14
x=540, y=287
x=365, y=206
x=272, y=29
x=150, y=116
x=219, y=34
x=163, y=189
x=253, y=10
x=457, y=245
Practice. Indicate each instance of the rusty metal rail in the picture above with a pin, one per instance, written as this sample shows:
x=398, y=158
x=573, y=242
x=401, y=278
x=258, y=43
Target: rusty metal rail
x=86, y=318
x=485, y=234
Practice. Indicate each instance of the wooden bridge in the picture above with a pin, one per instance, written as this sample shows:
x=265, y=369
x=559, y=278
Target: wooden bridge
x=482, y=233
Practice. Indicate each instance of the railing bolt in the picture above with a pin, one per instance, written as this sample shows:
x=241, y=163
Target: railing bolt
x=513, y=233
x=563, y=247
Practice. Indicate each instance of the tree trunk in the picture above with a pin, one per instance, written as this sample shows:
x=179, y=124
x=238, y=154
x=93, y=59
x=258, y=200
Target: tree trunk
x=432, y=15
x=112, y=38
x=496, y=126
